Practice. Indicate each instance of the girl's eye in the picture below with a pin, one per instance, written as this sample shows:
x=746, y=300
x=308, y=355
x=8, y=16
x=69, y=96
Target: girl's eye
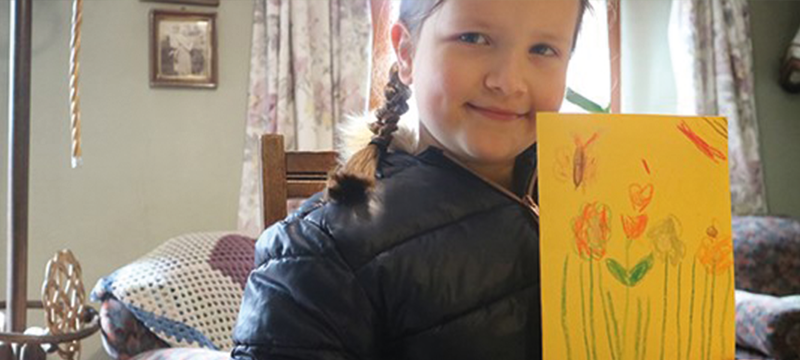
x=473, y=38
x=545, y=50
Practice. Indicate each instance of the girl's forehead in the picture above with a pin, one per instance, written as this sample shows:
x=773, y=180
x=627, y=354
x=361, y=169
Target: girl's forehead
x=551, y=16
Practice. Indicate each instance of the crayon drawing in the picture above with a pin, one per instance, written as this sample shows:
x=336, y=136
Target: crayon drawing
x=638, y=264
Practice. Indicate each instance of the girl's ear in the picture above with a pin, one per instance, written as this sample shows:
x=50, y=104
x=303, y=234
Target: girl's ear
x=403, y=46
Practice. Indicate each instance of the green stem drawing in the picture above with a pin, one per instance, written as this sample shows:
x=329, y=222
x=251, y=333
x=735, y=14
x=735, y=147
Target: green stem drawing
x=703, y=319
x=614, y=320
x=627, y=300
x=564, y=309
x=678, y=312
x=646, y=328
x=691, y=313
x=664, y=312
x=583, y=315
x=711, y=315
x=605, y=315
x=725, y=317
x=591, y=309
x=638, y=328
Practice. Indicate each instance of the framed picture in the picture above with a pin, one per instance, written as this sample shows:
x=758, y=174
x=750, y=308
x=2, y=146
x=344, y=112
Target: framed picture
x=188, y=2
x=183, y=49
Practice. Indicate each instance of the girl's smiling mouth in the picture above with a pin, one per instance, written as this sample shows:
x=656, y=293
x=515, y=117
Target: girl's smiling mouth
x=497, y=113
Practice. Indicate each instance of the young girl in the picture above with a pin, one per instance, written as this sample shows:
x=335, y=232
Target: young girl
x=428, y=250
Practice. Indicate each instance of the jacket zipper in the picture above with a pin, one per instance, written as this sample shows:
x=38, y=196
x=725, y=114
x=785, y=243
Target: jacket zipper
x=526, y=201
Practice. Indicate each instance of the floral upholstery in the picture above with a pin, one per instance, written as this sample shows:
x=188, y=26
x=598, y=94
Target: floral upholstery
x=124, y=336
x=767, y=254
x=768, y=324
x=767, y=260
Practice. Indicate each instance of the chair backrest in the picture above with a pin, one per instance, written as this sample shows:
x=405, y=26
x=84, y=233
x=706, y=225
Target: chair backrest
x=290, y=174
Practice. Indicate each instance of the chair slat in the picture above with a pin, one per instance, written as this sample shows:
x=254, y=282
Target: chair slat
x=304, y=189
x=292, y=174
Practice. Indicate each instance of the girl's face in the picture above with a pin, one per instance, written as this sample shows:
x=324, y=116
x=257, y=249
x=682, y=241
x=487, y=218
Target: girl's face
x=480, y=70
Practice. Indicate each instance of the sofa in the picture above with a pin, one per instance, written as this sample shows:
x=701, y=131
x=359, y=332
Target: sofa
x=180, y=301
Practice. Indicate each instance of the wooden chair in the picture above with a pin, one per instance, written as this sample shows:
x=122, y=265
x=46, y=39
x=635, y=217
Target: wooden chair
x=290, y=175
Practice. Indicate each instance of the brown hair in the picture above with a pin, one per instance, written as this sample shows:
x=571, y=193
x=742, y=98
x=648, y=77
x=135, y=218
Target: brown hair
x=352, y=181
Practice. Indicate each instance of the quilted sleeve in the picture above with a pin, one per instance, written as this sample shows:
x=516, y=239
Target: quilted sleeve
x=302, y=301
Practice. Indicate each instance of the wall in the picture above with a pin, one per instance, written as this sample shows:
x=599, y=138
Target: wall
x=157, y=162
x=648, y=85
x=774, y=25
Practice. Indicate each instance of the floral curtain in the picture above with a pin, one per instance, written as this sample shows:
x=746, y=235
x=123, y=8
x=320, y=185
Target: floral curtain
x=309, y=67
x=712, y=57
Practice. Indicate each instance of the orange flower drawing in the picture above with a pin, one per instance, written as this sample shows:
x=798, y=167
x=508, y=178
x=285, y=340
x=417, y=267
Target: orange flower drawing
x=715, y=252
x=634, y=226
x=640, y=196
x=592, y=230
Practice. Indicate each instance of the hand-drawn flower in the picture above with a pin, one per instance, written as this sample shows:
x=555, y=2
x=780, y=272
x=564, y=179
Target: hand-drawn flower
x=666, y=240
x=634, y=226
x=592, y=228
x=640, y=196
x=715, y=252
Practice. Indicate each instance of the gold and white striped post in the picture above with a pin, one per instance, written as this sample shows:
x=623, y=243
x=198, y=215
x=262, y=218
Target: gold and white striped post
x=74, y=76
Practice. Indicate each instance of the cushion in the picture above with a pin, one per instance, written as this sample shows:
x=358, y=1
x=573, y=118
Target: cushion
x=188, y=290
x=767, y=254
x=123, y=335
x=768, y=324
x=184, y=354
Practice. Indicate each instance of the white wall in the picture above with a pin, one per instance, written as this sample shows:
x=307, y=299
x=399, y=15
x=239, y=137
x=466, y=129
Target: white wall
x=157, y=162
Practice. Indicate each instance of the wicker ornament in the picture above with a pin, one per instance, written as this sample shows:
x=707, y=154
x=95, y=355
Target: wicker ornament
x=63, y=298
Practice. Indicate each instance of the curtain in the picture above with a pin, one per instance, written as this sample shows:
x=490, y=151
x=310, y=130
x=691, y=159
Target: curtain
x=712, y=56
x=309, y=67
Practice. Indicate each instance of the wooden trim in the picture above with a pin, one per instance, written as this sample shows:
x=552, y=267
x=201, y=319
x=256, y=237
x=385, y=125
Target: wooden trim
x=614, y=38
x=273, y=172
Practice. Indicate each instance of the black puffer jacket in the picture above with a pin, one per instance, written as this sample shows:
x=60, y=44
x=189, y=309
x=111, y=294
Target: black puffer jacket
x=438, y=264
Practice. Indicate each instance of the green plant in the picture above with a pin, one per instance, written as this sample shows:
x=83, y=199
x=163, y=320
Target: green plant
x=586, y=104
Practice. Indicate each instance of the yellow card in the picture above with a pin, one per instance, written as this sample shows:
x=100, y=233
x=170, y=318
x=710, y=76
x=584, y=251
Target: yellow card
x=636, y=249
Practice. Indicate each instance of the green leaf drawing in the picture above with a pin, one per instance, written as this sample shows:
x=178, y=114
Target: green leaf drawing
x=640, y=270
x=630, y=277
x=619, y=272
x=584, y=103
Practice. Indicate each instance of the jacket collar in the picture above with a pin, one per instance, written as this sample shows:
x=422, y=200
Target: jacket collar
x=354, y=134
x=524, y=168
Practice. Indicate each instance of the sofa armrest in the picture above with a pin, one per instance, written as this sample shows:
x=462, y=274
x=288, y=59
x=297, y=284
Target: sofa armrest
x=767, y=254
x=768, y=324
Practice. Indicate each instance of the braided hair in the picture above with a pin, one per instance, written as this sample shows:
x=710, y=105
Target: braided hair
x=352, y=181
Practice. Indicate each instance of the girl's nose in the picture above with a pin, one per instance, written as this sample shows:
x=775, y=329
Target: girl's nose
x=505, y=78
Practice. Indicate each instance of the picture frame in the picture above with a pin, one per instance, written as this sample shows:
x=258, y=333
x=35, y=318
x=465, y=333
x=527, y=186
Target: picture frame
x=183, y=49
x=187, y=2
